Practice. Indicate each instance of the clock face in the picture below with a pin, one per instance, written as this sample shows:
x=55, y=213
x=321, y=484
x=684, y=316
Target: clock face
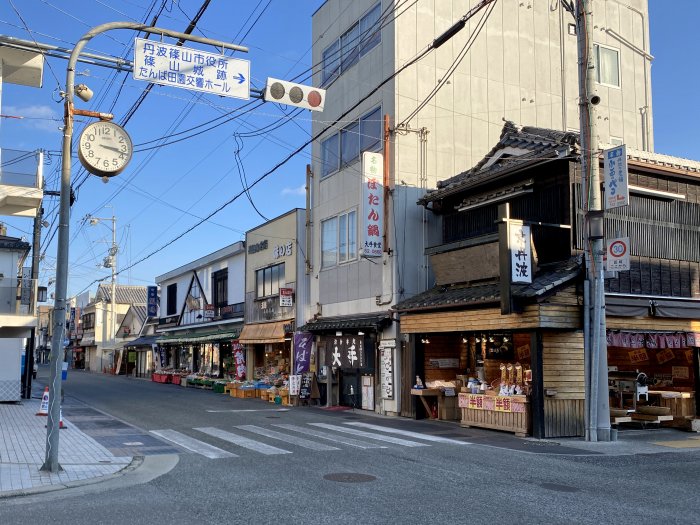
x=105, y=148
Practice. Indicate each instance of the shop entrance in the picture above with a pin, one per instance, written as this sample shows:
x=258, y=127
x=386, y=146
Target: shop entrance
x=350, y=387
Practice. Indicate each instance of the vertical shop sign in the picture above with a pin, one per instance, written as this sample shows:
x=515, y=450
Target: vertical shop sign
x=152, y=301
x=286, y=297
x=372, y=204
x=238, y=360
x=294, y=384
x=520, y=254
x=386, y=371
x=302, y=351
x=616, y=190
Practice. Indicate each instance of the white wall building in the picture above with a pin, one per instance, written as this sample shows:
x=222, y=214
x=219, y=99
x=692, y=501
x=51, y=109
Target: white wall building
x=521, y=66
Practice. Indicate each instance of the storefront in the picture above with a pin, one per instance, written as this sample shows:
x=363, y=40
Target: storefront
x=347, y=352
x=204, y=353
x=144, y=357
x=268, y=350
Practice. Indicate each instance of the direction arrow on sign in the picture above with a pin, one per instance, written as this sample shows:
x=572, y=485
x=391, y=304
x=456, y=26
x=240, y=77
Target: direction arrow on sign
x=184, y=67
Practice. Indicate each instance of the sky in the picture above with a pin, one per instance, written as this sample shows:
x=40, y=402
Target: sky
x=168, y=190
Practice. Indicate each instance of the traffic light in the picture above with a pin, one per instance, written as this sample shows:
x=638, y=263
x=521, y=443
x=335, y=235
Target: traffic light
x=292, y=94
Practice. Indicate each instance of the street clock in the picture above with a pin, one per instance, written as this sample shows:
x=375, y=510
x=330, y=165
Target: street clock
x=105, y=148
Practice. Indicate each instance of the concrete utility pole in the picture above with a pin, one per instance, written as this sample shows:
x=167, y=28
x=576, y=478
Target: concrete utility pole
x=596, y=358
x=30, y=358
x=59, y=323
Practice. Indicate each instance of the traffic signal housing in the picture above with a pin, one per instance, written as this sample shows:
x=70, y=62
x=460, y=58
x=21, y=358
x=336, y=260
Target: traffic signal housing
x=292, y=94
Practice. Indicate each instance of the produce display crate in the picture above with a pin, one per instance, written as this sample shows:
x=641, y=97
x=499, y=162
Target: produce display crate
x=218, y=388
x=175, y=379
x=264, y=394
x=248, y=393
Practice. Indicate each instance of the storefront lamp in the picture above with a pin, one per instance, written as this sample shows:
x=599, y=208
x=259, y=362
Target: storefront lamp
x=596, y=222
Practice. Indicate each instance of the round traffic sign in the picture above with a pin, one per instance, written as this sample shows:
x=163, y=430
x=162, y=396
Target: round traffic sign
x=618, y=248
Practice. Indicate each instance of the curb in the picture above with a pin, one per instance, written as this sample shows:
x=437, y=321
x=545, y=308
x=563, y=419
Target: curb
x=135, y=463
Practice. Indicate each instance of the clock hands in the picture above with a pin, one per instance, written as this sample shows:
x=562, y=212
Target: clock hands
x=112, y=148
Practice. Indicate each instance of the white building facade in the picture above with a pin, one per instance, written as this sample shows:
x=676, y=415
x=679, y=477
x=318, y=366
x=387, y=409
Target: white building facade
x=521, y=66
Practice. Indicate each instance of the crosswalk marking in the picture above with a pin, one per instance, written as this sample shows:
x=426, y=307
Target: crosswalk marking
x=305, y=443
x=408, y=433
x=331, y=437
x=241, y=441
x=379, y=437
x=194, y=445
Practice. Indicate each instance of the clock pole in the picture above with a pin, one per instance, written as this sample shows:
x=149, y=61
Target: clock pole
x=59, y=320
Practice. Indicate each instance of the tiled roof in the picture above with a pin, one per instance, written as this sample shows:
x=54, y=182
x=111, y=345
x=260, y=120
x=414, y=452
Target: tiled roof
x=140, y=312
x=350, y=322
x=546, y=280
x=664, y=161
x=539, y=144
x=125, y=294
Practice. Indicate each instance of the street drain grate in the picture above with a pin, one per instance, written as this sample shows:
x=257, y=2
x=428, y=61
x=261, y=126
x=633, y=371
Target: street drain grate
x=541, y=443
x=559, y=488
x=349, y=477
x=272, y=417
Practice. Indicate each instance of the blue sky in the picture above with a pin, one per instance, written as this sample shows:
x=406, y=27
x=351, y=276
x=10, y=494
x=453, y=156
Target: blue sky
x=167, y=190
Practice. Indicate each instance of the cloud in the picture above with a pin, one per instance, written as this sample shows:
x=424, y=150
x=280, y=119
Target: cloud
x=44, y=118
x=301, y=190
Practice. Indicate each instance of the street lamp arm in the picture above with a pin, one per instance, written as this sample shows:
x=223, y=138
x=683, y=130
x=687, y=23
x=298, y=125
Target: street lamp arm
x=59, y=322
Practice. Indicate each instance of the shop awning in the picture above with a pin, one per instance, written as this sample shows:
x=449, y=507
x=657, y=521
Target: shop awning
x=201, y=337
x=144, y=340
x=636, y=306
x=87, y=341
x=263, y=333
x=369, y=321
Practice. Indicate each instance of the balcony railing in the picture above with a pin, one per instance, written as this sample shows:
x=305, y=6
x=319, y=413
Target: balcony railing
x=20, y=168
x=16, y=296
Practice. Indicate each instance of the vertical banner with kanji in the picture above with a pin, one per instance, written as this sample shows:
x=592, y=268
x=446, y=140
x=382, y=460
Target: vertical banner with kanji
x=239, y=360
x=520, y=253
x=372, y=204
x=302, y=351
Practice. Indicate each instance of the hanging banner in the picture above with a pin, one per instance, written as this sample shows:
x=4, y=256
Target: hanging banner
x=520, y=253
x=152, y=299
x=616, y=190
x=302, y=351
x=239, y=360
x=618, y=255
x=294, y=384
x=347, y=352
x=372, y=204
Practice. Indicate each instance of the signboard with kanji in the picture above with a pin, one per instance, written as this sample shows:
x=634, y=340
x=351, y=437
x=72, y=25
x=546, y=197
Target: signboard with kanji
x=152, y=301
x=520, y=254
x=386, y=371
x=347, y=352
x=286, y=297
x=616, y=190
x=183, y=67
x=372, y=204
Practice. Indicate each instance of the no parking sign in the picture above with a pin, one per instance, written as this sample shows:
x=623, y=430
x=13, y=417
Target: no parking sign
x=618, y=259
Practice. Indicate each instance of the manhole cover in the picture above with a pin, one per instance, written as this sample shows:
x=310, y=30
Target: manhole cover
x=349, y=477
x=541, y=443
x=272, y=417
x=558, y=488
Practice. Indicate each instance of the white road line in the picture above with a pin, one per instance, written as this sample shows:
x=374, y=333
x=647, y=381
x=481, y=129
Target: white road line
x=249, y=410
x=331, y=437
x=379, y=437
x=305, y=443
x=241, y=441
x=408, y=433
x=194, y=445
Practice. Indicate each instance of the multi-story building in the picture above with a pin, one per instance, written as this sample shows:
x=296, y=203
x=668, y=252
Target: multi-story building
x=513, y=60
x=201, y=312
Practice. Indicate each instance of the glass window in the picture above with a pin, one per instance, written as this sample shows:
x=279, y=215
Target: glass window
x=329, y=242
x=342, y=238
x=269, y=280
x=370, y=30
x=352, y=235
x=220, y=287
x=349, y=144
x=607, y=65
x=331, y=62
x=329, y=155
x=371, y=131
x=349, y=45
x=172, y=299
x=260, y=283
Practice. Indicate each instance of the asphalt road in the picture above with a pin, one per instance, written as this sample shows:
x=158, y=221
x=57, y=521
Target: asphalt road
x=479, y=476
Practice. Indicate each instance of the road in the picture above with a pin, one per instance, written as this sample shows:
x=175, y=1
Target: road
x=248, y=462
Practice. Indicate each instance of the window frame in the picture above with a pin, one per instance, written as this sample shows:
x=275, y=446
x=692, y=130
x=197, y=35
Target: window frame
x=345, y=245
x=268, y=283
x=88, y=321
x=596, y=51
x=171, y=299
x=219, y=288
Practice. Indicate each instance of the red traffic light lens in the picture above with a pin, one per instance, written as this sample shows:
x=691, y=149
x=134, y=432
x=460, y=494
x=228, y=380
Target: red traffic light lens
x=314, y=99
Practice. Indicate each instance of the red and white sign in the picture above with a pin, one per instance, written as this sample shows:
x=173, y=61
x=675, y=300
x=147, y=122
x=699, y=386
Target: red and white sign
x=372, y=204
x=286, y=297
x=208, y=311
x=618, y=255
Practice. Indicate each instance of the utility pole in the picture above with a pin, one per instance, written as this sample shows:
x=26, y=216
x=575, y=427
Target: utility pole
x=59, y=322
x=595, y=346
x=30, y=358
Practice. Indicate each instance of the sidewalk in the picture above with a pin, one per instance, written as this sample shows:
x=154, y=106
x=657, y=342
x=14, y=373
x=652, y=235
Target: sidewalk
x=22, y=452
